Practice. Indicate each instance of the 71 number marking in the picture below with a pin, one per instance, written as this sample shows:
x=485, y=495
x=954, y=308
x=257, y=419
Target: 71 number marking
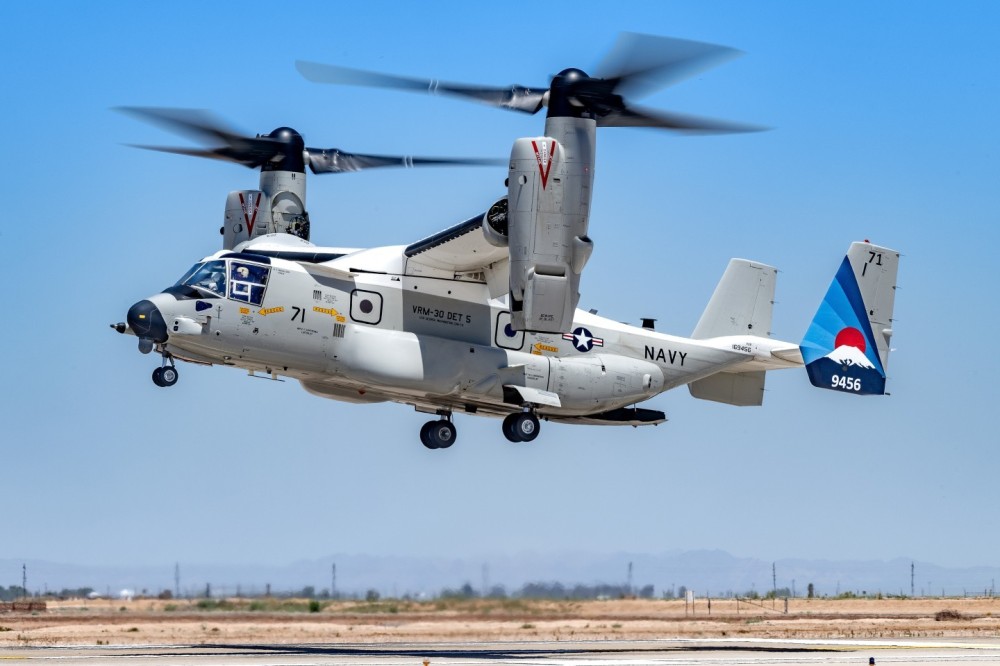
x=873, y=258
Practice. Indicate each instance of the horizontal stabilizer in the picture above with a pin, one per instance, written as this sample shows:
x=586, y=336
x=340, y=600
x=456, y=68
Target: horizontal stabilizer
x=744, y=389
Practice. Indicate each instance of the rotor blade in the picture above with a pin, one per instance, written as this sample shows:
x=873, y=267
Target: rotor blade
x=641, y=64
x=331, y=160
x=195, y=123
x=224, y=154
x=514, y=97
x=634, y=116
x=206, y=128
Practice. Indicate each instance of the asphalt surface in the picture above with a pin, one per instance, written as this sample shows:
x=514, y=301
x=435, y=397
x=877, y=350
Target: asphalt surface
x=529, y=653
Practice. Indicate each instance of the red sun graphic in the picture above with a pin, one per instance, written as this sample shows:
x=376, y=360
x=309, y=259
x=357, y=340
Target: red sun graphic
x=851, y=337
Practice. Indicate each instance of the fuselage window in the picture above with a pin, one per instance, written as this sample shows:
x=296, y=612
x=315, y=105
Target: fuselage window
x=506, y=336
x=366, y=306
x=247, y=282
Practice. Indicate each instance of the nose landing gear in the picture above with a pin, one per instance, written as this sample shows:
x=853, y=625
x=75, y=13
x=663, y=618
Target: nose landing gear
x=438, y=434
x=166, y=375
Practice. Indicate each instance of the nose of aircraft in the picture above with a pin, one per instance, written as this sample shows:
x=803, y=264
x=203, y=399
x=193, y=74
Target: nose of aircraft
x=146, y=322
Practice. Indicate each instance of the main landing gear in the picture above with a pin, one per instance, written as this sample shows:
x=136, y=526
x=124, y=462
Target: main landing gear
x=165, y=375
x=438, y=434
x=441, y=434
x=520, y=427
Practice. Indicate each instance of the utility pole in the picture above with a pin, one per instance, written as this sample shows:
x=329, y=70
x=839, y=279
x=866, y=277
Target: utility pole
x=628, y=591
x=774, y=580
x=177, y=580
x=333, y=581
x=486, y=581
x=24, y=579
x=912, y=588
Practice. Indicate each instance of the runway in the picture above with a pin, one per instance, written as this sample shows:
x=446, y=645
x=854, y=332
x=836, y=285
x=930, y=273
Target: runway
x=762, y=652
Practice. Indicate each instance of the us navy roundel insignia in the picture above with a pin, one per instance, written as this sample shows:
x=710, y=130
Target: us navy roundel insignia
x=582, y=339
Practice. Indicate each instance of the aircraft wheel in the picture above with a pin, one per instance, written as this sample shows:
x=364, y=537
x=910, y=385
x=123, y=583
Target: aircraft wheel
x=425, y=437
x=158, y=376
x=508, y=428
x=526, y=426
x=168, y=376
x=442, y=433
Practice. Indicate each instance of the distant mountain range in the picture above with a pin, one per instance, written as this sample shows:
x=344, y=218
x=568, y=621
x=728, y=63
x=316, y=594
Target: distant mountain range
x=712, y=572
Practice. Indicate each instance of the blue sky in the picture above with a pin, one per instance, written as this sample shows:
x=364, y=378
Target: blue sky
x=884, y=120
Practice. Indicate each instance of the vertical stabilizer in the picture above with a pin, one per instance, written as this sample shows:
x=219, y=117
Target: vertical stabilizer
x=847, y=345
x=742, y=302
x=741, y=305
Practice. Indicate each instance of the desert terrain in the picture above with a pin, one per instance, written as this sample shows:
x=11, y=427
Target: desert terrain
x=211, y=621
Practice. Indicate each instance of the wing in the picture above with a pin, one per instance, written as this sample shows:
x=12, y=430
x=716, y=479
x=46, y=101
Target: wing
x=472, y=250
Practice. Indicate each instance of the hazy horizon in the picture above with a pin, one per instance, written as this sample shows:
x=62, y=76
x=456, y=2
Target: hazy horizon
x=708, y=573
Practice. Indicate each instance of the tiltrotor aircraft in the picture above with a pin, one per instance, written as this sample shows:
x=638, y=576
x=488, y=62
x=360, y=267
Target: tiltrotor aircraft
x=481, y=318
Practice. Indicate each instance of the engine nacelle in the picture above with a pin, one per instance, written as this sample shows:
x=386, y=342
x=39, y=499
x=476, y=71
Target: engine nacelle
x=278, y=207
x=288, y=202
x=549, y=191
x=603, y=381
x=248, y=215
x=495, y=224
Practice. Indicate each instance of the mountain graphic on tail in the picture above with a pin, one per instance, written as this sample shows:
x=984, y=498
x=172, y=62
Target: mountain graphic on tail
x=841, y=349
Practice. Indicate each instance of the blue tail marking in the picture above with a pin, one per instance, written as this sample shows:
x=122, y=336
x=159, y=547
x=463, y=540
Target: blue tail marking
x=839, y=348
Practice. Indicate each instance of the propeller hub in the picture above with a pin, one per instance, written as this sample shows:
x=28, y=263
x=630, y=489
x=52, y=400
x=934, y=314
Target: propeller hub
x=287, y=157
x=571, y=94
x=570, y=75
x=286, y=135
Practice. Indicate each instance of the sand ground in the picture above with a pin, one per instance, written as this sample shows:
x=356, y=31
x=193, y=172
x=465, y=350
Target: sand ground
x=115, y=622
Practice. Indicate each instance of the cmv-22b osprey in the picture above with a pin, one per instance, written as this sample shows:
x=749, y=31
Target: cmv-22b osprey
x=481, y=318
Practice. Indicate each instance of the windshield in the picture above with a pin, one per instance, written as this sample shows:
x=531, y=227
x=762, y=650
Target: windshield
x=210, y=275
x=246, y=282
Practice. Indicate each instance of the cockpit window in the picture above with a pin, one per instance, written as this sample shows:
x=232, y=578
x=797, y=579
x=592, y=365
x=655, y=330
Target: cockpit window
x=210, y=275
x=247, y=282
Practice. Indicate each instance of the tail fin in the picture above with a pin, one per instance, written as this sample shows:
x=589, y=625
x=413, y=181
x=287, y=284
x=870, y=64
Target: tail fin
x=847, y=345
x=741, y=305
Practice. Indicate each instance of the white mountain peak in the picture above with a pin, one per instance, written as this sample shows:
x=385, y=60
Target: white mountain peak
x=848, y=355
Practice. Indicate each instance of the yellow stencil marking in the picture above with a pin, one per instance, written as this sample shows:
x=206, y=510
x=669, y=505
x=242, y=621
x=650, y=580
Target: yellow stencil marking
x=244, y=310
x=330, y=311
x=267, y=311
